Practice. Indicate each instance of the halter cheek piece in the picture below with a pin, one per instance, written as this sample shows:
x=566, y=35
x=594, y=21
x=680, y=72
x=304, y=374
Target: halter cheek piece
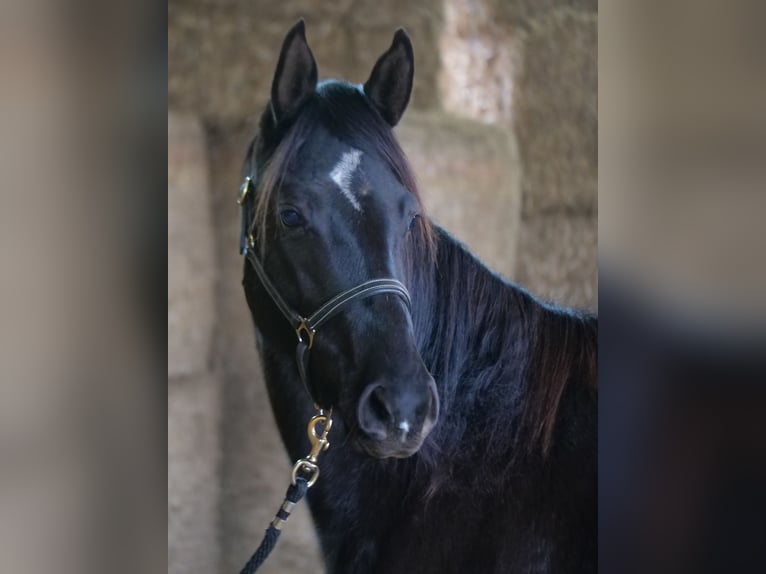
x=306, y=327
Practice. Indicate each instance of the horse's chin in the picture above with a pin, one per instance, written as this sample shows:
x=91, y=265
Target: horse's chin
x=383, y=450
x=382, y=453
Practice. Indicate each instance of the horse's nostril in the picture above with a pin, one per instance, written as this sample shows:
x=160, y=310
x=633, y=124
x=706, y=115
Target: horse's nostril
x=374, y=413
x=379, y=406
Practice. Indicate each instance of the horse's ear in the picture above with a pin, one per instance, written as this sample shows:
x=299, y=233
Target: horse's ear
x=296, y=76
x=390, y=83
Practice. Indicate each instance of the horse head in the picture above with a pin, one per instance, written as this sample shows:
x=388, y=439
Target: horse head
x=335, y=205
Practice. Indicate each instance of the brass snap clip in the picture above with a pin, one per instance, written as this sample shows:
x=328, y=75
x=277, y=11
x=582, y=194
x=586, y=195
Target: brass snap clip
x=319, y=444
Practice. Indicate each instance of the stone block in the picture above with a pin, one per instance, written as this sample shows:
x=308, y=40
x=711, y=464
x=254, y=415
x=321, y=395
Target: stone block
x=556, y=113
x=479, y=57
x=194, y=419
x=558, y=259
x=469, y=177
x=191, y=264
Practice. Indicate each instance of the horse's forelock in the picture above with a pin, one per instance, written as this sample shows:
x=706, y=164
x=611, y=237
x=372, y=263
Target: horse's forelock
x=271, y=172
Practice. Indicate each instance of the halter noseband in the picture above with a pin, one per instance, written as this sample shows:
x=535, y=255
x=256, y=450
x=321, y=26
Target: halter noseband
x=306, y=327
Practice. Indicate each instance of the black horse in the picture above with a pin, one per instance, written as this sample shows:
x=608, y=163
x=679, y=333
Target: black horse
x=465, y=428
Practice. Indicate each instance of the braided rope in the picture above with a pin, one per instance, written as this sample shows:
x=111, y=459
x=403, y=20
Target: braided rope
x=295, y=493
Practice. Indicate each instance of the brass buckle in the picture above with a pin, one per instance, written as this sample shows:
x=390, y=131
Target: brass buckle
x=319, y=444
x=304, y=328
x=243, y=189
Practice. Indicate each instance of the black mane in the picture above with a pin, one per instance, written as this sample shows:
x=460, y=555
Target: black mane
x=493, y=345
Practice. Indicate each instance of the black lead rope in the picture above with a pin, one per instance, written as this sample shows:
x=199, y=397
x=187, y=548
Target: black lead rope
x=295, y=492
x=305, y=328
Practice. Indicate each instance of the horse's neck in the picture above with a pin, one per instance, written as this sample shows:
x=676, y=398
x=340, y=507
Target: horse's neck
x=494, y=349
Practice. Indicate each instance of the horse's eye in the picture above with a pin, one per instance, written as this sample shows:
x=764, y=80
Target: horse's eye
x=413, y=221
x=290, y=218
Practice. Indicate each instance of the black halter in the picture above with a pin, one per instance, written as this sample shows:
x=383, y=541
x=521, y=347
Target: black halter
x=306, y=327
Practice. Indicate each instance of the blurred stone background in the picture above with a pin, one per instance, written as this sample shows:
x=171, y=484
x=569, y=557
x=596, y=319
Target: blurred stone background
x=502, y=134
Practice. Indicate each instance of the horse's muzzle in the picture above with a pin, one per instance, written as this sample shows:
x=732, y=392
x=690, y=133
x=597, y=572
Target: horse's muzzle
x=395, y=418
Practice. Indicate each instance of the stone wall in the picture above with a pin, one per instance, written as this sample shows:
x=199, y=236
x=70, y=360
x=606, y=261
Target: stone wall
x=502, y=136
